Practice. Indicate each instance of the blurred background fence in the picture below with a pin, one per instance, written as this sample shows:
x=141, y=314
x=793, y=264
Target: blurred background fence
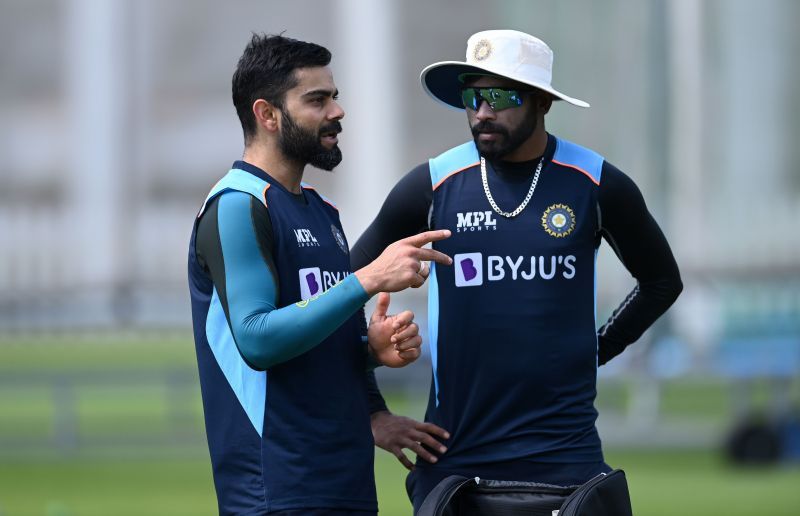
x=116, y=119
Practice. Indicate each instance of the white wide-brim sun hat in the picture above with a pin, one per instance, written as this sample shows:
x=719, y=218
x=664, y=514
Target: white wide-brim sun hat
x=505, y=53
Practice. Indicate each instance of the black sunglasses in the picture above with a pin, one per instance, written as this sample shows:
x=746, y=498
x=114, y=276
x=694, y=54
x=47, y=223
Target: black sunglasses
x=497, y=98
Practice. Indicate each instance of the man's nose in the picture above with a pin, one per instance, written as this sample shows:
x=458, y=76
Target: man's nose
x=337, y=113
x=485, y=112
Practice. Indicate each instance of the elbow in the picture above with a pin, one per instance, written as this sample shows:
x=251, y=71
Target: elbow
x=675, y=288
x=253, y=351
x=263, y=350
x=256, y=358
x=664, y=290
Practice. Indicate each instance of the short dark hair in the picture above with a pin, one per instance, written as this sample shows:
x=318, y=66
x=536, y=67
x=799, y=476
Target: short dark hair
x=266, y=71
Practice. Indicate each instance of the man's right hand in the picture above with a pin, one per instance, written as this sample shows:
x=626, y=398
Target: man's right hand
x=402, y=264
x=393, y=433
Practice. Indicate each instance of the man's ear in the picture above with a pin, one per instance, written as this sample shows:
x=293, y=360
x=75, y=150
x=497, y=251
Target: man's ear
x=267, y=115
x=545, y=103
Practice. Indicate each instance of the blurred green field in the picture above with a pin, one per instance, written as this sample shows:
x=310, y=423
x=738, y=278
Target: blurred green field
x=138, y=445
x=662, y=483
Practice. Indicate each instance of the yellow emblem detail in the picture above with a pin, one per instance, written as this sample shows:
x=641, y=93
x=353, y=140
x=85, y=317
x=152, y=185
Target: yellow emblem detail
x=483, y=49
x=558, y=220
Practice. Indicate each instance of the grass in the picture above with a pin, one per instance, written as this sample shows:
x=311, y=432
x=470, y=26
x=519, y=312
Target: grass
x=144, y=395
x=662, y=483
x=106, y=487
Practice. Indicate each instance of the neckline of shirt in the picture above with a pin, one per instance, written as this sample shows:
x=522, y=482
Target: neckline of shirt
x=261, y=174
x=523, y=170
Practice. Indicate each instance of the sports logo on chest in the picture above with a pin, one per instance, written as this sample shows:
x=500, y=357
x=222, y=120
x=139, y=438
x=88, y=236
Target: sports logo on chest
x=305, y=238
x=558, y=220
x=471, y=221
x=339, y=238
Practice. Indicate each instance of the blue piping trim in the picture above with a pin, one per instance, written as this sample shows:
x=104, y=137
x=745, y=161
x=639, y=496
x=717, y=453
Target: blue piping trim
x=433, y=327
x=239, y=180
x=249, y=385
x=454, y=159
x=572, y=154
x=596, y=338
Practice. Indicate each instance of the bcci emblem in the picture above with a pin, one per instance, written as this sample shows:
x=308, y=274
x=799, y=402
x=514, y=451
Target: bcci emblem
x=339, y=237
x=558, y=220
x=483, y=49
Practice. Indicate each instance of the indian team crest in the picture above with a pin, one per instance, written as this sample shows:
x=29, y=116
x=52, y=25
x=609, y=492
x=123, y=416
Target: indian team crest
x=339, y=237
x=558, y=220
x=483, y=49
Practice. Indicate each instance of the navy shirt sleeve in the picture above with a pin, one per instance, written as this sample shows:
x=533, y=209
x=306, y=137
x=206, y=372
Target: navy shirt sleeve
x=403, y=214
x=639, y=243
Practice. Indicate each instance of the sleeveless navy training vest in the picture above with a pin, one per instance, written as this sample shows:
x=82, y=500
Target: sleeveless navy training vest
x=512, y=322
x=297, y=435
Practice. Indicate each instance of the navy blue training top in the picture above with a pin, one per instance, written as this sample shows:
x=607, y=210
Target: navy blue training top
x=513, y=333
x=279, y=349
x=527, y=283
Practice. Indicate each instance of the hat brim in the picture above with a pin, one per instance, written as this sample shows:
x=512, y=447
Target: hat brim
x=441, y=81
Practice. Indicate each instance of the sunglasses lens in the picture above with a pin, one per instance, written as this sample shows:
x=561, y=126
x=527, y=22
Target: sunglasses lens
x=500, y=99
x=497, y=98
x=470, y=99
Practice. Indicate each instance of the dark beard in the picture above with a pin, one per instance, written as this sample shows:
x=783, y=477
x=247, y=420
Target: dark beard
x=509, y=140
x=304, y=146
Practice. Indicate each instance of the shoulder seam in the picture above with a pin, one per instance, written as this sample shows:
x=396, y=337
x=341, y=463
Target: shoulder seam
x=451, y=174
x=306, y=186
x=579, y=158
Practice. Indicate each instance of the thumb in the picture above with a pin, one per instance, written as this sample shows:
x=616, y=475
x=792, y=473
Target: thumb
x=382, y=305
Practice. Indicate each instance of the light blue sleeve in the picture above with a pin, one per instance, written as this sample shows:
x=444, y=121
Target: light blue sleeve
x=267, y=335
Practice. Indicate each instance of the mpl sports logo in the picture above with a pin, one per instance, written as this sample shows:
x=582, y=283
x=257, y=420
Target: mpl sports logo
x=471, y=269
x=475, y=221
x=305, y=238
x=314, y=281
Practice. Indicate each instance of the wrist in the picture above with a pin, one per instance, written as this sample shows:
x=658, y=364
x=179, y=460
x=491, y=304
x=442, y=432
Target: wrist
x=372, y=361
x=367, y=281
x=379, y=414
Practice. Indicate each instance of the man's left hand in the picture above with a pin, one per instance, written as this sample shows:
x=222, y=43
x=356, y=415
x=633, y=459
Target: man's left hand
x=393, y=339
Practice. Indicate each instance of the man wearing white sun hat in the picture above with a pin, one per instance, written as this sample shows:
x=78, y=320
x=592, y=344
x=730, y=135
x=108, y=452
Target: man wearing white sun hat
x=513, y=337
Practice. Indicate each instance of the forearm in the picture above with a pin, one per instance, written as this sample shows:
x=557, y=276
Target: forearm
x=235, y=242
x=640, y=309
x=638, y=241
x=269, y=337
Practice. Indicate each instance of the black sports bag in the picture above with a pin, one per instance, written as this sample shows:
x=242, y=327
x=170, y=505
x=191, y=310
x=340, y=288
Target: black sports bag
x=604, y=495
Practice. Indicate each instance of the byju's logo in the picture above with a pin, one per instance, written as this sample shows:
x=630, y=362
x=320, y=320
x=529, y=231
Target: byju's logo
x=469, y=269
x=475, y=221
x=305, y=238
x=314, y=281
x=310, y=282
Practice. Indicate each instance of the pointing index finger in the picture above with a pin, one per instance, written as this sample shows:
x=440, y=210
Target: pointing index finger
x=426, y=237
x=434, y=256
